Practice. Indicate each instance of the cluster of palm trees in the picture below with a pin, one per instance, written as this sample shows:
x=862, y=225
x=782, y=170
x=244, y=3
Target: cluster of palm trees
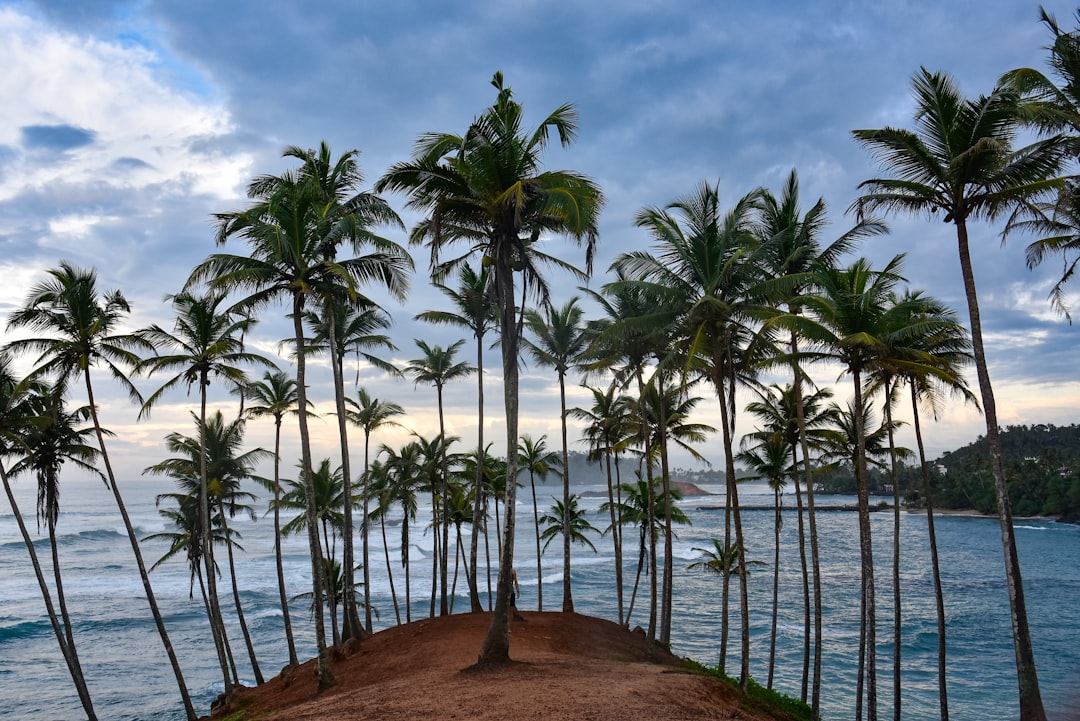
x=726, y=298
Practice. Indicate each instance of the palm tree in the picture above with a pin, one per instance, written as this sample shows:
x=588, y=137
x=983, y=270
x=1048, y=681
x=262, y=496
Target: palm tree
x=558, y=519
x=42, y=434
x=292, y=229
x=710, y=264
x=369, y=414
x=275, y=396
x=486, y=188
x=607, y=433
x=534, y=457
x=725, y=561
x=793, y=249
x=205, y=343
x=212, y=463
x=963, y=162
x=80, y=327
x=558, y=341
x=768, y=459
x=404, y=481
x=439, y=367
x=473, y=309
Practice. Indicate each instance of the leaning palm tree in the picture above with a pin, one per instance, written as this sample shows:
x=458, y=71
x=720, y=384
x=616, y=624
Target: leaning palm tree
x=534, y=457
x=473, y=308
x=80, y=327
x=487, y=189
x=290, y=234
x=44, y=436
x=558, y=340
x=438, y=366
x=275, y=396
x=369, y=414
x=961, y=160
x=206, y=343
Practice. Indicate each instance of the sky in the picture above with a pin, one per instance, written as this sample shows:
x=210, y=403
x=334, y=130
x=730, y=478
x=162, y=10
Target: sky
x=125, y=125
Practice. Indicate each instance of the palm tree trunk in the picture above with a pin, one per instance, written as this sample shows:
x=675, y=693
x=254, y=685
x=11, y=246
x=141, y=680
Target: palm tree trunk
x=474, y=546
x=777, y=522
x=539, y=558
x=568, y=598
x=236, y=601
x=811, y=516
x=897, y=617
x=939, y=599
x=325, y=674
x=206, y=539
x=866, y=552
x=435, y=552
x=444, y=608
x=669, y=560
x=293, y=660
x=804, y=570
x=151, y=600
x=614, y=535
x=650, y=514
x=66, y=649
x=389, y=572
x=1031, y=705
x=405, y=563
x=365, y=539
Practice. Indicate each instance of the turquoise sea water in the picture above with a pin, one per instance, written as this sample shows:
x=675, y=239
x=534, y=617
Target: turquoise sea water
x=130, y=679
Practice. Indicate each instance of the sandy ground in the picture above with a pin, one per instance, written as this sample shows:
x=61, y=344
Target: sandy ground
x=565, y=666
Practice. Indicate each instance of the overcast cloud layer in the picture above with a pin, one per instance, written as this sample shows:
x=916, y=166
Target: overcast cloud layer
x=125, y=125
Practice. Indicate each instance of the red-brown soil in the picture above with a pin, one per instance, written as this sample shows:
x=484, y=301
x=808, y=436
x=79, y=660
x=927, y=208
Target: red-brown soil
x=565, y=666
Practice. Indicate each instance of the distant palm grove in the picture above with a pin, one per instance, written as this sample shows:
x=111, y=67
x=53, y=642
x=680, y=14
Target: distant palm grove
x=741, y=295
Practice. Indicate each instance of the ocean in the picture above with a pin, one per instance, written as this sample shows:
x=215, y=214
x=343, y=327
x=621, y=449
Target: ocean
x=130, y=679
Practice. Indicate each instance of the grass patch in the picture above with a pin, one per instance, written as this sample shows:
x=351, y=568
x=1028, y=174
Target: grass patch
x=759, y=697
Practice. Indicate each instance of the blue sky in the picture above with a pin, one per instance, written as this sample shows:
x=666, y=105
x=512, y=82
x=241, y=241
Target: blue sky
x=125, y=125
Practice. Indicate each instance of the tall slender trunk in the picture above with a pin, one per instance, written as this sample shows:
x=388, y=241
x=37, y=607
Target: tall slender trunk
x=151, y=600
x=66, y=649
x=444, y=526
x=236, y=601
x=435, y=553
x=389, y=572
x=567, y=599
x=405, y=563
x=868, y=626
x=811, y=516
x=539, y=553
x=897, y=615
x=804, y=570
x=650, y=515
x=1031, y=705
x=496, y=646
x=206, y=539
x=778, y=521
x=478, y=501
x=365, y=535
x=669, y=560
x=325, y=674
x=939, y=598
x=293, y=660
x=614, y=535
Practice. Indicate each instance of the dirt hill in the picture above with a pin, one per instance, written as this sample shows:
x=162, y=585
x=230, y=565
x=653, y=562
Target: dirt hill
x=566, y=666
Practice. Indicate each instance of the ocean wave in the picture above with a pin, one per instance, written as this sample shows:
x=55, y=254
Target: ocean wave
x=24, y=629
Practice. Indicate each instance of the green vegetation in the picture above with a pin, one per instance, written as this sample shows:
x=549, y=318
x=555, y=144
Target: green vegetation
x=759, y=698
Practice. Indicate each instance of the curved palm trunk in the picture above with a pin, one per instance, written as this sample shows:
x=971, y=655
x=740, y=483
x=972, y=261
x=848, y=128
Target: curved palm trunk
x=777, y=523
x=539, y=559
x=617, y=534
x=236, y=601
x=811, y=516
x=496, y=646
x=444, y=527
x=1031, y=705
x=405, y=563
x=66, y=649
x=868, y=624
x=151, y=600
x=650, y=514
x=897, y=619
x=325, y=675
x=669, y=560
x=614, y=535
x=364, y=539
x=637, y=576
x=478, y=502
x=350, y=624
x=293, y=660
x=61, y=601
x=804, y=570
x=389, y=572
x=217, y=623
x=568, y=598
x=939, y=599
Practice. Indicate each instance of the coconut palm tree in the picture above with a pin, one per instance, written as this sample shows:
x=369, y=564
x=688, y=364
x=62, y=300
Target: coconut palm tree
x=80, y=332
x=213, y=463
x=369, y=414
x=473, y=308
x=487, y=189
x=793, y=249
x=558, y=519
x=558, y=340
x=438, y=367
x=292, y=229
x=275, y=396
x=206, y=342
x=607, y=433
x=963, y=162
x=710, y=264
x=725, y=561
x=403, y=482
x=534, y=457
